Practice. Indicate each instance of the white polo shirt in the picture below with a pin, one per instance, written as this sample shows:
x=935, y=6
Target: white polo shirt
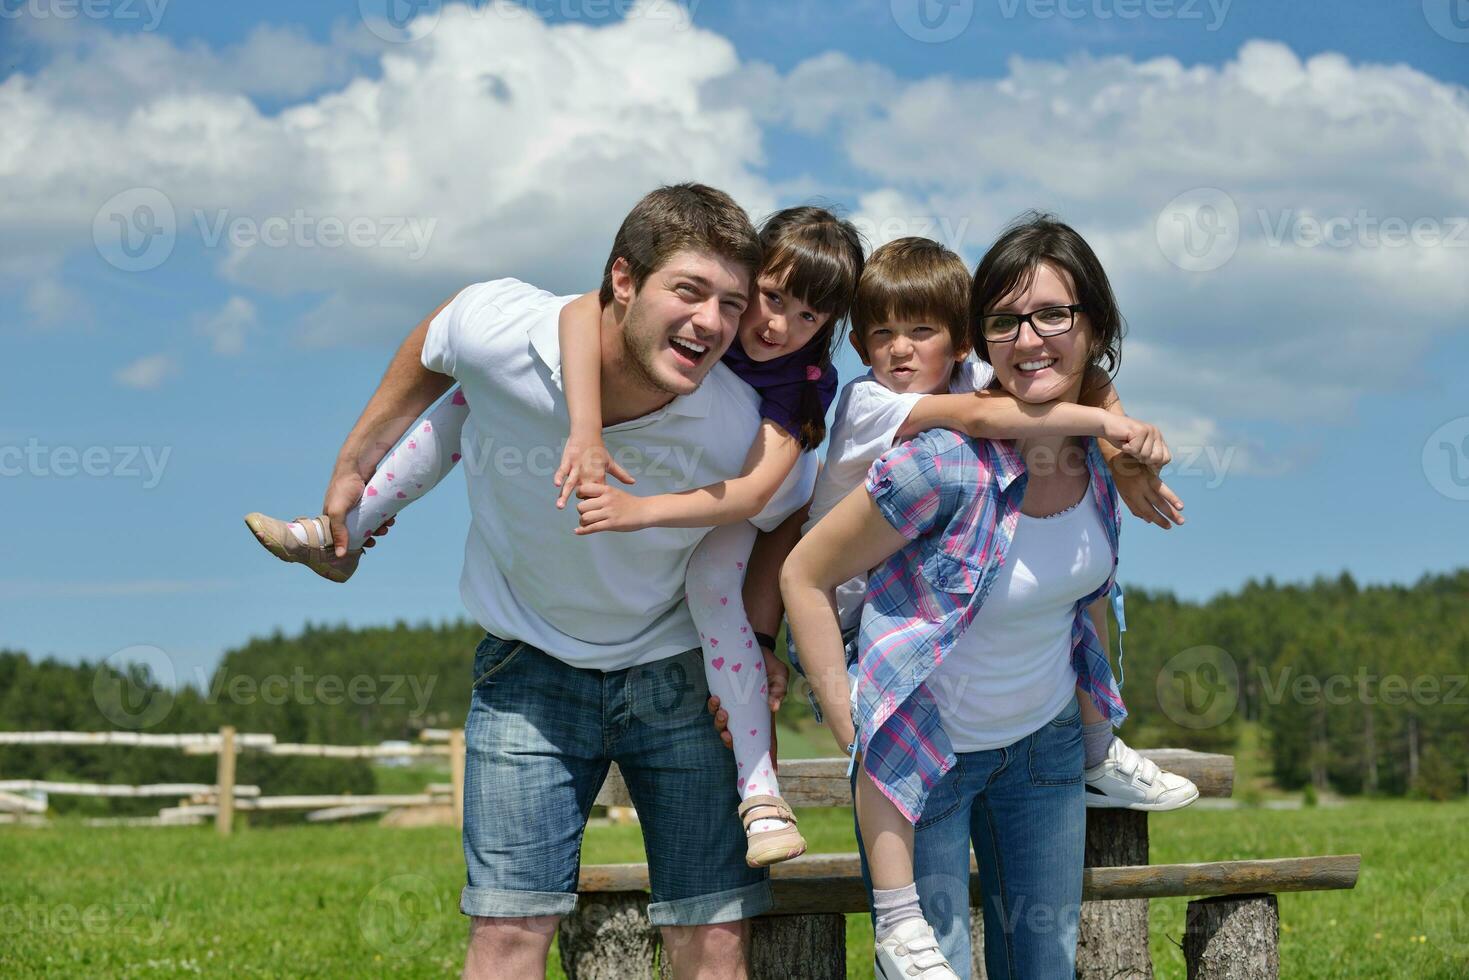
x=604, y=601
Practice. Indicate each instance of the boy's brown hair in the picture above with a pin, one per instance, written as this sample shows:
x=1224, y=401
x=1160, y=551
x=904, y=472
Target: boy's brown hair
x=913, y=280
x=682, y=217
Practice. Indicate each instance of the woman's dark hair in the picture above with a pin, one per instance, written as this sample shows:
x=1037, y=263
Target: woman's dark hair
x=817, y=256
x=1011, y=264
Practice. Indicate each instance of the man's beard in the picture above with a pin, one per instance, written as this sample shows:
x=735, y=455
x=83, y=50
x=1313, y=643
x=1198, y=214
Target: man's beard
x=639, y=350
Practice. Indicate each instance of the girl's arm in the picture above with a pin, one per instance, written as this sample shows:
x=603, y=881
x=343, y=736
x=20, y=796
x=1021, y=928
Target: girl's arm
x=771, y=457
x=853, y=538
x=585, y=459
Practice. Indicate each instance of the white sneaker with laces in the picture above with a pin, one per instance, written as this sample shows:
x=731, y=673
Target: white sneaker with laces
x=1126, y=780
x=911, y=952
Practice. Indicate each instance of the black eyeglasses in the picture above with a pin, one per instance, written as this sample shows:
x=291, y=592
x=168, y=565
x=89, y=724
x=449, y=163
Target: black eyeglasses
x=1049, y=322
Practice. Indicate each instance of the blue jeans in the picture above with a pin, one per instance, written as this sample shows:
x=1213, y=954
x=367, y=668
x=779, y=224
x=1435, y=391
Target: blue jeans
x=1024, y=809
x=539, y=739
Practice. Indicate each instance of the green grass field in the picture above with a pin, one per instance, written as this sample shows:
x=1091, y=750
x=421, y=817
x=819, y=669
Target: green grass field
x=362, y=900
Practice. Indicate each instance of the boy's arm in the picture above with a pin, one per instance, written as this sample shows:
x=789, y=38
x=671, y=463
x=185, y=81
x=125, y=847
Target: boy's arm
x=1138, y=484
x=769, y=461
x=407, y=388
x=584, y=459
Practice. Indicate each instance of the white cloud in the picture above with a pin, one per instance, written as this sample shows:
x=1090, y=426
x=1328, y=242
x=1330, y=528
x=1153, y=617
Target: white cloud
x=228, y=326
x=513, y=146
x=1284, y=330
x=146, y=373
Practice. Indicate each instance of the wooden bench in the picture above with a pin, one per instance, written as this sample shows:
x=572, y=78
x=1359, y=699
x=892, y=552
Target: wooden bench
x=1232, y=932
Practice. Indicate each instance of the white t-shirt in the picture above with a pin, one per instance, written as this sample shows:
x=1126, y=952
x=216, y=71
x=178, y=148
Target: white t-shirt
x=605, y=601
x=1010, y=671
x=868, y=417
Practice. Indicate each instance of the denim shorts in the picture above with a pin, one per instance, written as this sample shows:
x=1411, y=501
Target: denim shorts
x=539, y=739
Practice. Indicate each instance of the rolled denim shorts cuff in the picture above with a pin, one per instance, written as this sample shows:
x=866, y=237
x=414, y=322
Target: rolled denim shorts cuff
x=499, y=903
x=730, y=905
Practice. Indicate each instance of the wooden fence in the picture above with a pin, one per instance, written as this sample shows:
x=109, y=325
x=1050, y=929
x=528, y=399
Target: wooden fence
x=221, y=799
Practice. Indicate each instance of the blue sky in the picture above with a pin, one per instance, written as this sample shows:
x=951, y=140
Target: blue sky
x=1314, y=387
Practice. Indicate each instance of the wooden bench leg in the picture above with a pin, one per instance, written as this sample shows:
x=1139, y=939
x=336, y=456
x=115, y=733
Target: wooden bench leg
x=608, y=937
x=1112, y=940
x=805, y=946
x=1236, y=937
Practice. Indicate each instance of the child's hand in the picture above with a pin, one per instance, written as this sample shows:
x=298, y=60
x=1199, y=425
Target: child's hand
x=1147, y=496
x=584, y=462
x=605, y=508
x=1137, y=439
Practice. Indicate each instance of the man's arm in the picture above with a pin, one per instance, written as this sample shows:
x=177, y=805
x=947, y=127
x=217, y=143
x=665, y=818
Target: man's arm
x=406, y=390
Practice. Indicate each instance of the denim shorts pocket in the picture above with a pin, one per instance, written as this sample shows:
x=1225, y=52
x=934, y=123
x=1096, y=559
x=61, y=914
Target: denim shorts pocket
x=493, y=655
x=1056, y=753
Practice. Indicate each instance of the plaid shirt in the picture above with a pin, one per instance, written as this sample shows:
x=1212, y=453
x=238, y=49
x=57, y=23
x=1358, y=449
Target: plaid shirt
x=957, y=500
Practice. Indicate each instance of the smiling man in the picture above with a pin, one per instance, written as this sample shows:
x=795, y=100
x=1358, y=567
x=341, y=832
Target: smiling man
x=591, y=656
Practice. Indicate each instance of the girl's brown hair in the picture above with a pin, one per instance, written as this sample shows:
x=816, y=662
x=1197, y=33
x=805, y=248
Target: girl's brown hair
x=817, y=257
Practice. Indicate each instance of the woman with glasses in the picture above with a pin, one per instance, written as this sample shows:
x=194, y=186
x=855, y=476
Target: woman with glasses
x=986, y=608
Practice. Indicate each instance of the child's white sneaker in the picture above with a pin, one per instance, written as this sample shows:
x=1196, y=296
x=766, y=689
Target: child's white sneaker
x=1125, y=780
x=911, y=952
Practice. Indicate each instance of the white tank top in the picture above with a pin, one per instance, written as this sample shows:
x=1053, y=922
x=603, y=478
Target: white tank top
x=1010, y=672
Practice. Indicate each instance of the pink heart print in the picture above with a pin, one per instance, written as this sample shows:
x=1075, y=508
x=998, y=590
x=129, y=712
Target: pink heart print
x=739, y=564
x=388, y=475
x=718, y=663
x=402, y=495
x=749, y=643
x=458, y=398
x=428, y=427
x=412, y=444
x=742, y=782
x=724, y=600
x=742, y=765
x=713, y=642
x=454, y=457
x=371, y=492
x=752, y=732
x=736, y=668
x=744, y=629
x=762, y=688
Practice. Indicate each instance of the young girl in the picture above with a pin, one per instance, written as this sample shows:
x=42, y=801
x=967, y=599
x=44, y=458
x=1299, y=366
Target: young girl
x=783, y=350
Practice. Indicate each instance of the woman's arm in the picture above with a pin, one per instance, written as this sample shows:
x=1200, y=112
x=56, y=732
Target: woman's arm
x=769, y=461
x=853, y=538
x=585, y=459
